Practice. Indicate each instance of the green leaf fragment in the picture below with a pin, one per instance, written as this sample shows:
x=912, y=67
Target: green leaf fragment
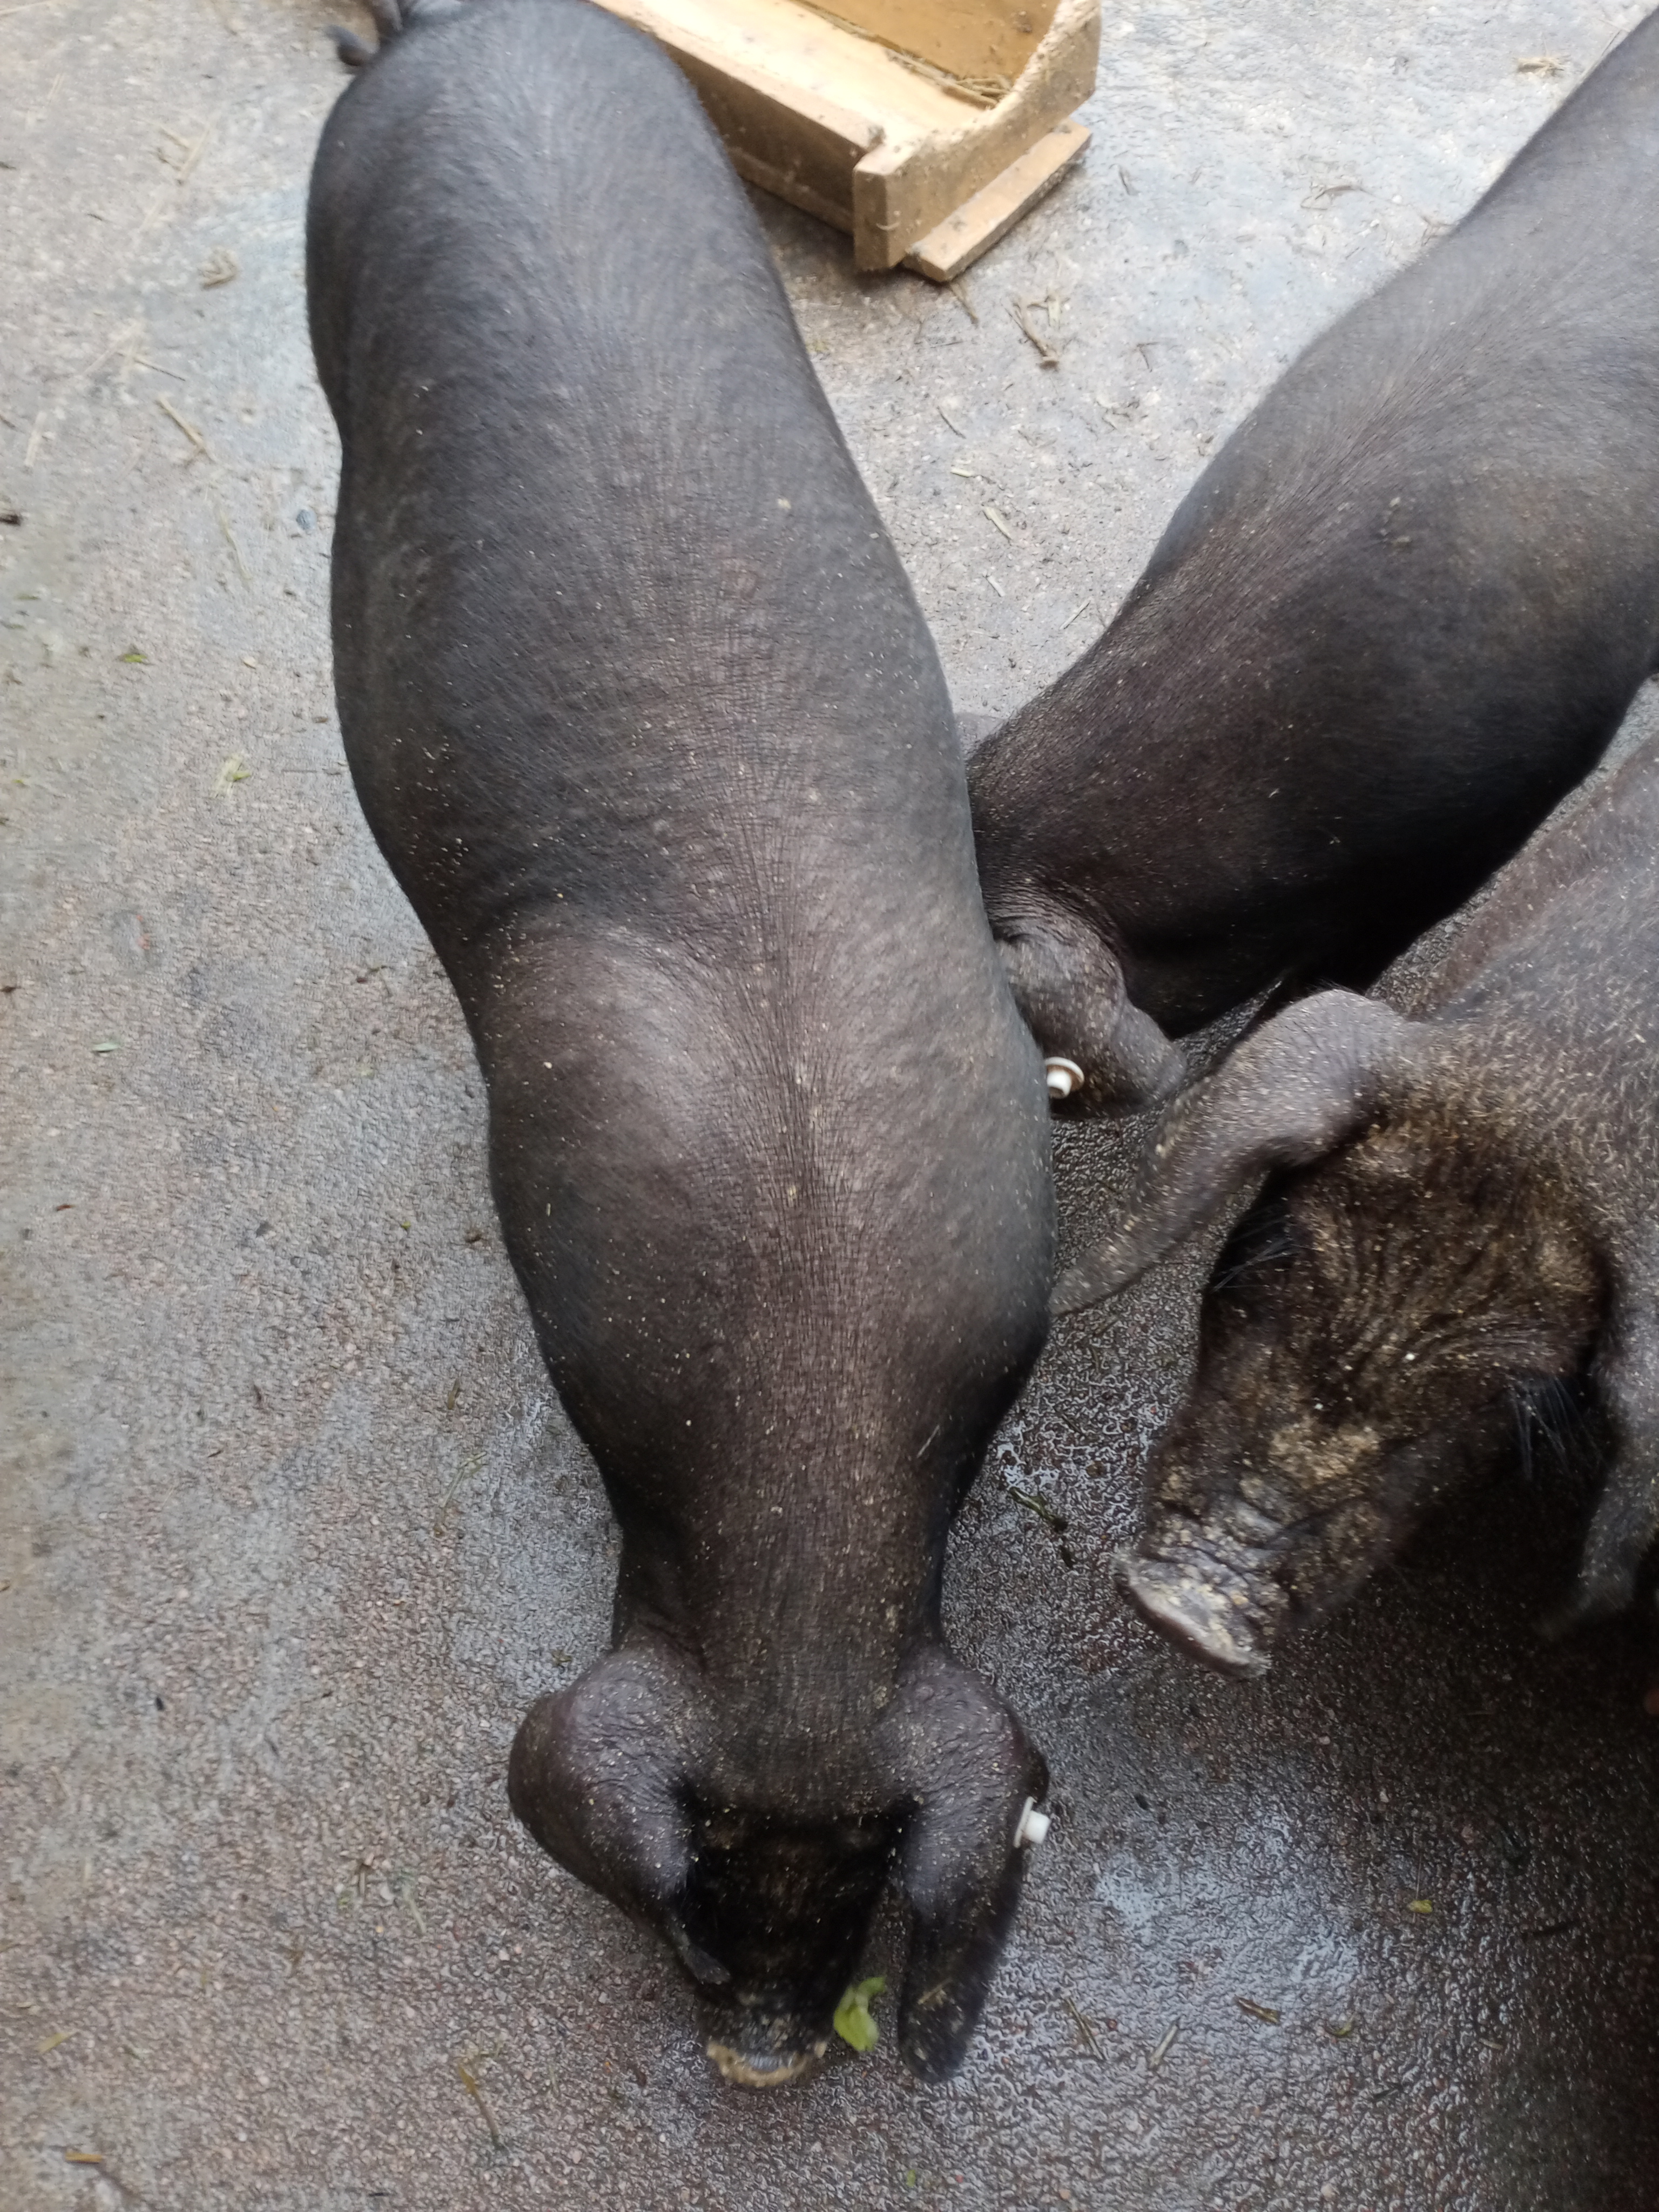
x=133, y=654
x=1040, y=1506
x=854, y=2021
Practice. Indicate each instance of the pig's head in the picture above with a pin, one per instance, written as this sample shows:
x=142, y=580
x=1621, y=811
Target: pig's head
x=767, y=1904
x=1367, y=1328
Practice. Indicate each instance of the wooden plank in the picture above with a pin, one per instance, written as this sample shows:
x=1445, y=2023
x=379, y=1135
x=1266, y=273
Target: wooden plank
x=905, y=187
x=785, y=49
x=978, y=223
x=850, y=128
x=806, y=153
x=983, y=42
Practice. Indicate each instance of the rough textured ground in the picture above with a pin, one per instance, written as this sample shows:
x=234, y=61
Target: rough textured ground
x=290, y=1527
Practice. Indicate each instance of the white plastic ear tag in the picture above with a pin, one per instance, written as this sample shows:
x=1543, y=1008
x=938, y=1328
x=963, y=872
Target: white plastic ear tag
x=1032, y=1828
x=1064, y=1077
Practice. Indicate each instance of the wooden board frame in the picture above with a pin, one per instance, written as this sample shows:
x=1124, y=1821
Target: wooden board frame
x=884, y=143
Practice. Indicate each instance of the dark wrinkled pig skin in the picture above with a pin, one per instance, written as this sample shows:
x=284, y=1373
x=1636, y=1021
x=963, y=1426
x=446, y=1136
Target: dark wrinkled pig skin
x=1461, y=1222
x=1398, y=618
x=644, y=716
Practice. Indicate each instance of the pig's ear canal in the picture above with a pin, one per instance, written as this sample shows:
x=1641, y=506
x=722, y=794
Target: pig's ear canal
x=1287, y=1095
x=976, y=1782
x=595, y=1774
x=1103, y=1054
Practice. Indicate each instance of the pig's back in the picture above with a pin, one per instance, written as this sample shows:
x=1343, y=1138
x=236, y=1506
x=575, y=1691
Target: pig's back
x=617, y=627
x=1558, y=968
x=644, y=716
x=1404, y=608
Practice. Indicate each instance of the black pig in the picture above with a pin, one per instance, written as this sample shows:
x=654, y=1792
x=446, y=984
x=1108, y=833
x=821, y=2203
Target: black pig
x=1397, y=618
x=645, y=718
x=1464, y=1211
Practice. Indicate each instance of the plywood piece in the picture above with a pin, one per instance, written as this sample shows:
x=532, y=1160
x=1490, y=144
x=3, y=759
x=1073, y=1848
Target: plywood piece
x=846, y=127
x=994, y=209
x=985, y=43
x=907, y=186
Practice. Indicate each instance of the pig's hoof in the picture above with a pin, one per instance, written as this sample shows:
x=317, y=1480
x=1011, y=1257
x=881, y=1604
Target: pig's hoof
x=1200, y=1619
x=766, y=2069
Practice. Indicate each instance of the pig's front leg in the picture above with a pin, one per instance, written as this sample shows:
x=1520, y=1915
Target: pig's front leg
x=598, y=1774
x=974, y=1783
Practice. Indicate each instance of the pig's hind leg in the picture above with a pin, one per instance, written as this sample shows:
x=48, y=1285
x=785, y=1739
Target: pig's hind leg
x=391, y=19
x=357, y=54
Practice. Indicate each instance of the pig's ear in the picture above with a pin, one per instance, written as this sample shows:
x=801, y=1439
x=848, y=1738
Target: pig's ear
x=596, y=1775
x=974, y=1782
x=1287, y=1095
x=1626, y=1521
x=1110, y=1057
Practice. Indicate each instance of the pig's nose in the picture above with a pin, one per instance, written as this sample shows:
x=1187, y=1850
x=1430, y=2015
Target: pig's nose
x=762, y=2066
x=1210, y=1623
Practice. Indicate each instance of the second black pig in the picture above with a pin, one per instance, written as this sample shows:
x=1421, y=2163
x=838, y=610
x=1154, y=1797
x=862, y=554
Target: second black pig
x=1464, y=1210
x=644, y=716
x=1398, y=618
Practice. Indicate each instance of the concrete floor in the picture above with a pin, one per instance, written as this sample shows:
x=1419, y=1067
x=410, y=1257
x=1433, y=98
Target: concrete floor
x=293, y=1528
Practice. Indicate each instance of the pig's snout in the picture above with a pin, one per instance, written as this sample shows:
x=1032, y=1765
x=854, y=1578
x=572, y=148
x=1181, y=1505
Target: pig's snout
x=1209, y=1587
x=763, y=2050
x=1208, y=1623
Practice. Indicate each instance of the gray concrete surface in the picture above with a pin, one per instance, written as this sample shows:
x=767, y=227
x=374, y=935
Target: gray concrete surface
x=291, y=1528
